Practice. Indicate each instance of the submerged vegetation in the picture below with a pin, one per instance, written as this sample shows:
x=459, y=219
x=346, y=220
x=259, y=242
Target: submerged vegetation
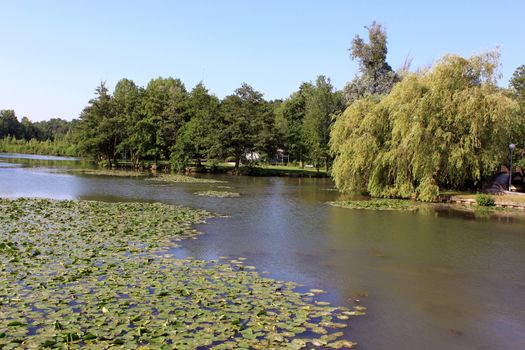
x=100, y=275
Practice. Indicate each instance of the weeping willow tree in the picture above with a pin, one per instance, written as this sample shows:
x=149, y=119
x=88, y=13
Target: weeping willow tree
x=445, y=127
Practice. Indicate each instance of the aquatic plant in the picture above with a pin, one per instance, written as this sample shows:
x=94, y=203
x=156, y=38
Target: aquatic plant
x=218, y=194
x=182, y=179
x=379, y=204
x=82, y=274
x=110, y=172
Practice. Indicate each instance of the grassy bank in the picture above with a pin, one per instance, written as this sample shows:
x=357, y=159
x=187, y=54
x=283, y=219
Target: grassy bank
x=502, y=199
x=82, y=274
x=485, y=207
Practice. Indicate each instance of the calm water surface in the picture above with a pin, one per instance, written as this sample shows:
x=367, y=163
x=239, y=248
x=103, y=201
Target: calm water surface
x=430, y=280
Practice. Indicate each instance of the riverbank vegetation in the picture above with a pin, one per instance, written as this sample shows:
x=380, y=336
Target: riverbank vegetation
x=447, y=126
x=91, y=274
x=57, y=147
x=51, y=137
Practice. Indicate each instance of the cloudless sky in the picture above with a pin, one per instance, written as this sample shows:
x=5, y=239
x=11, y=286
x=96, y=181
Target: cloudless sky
x=54, y=53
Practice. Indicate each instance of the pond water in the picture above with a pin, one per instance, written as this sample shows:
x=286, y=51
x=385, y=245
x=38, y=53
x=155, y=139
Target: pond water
x=432, y=279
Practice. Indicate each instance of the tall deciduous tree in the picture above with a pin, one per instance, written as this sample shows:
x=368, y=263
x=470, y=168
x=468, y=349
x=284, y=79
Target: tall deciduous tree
x=28, y=130
x=99, y=130
x=9, y=124
x=243, y=116
x=127, y=100
x=447, y=127
x=198, y=138
x=377, y=77
x=517, y=84
x=289, y=120
x=164, y=111
x=52, y=129
x=322, y=105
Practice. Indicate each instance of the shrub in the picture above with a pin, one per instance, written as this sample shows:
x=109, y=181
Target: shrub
x=485, y=200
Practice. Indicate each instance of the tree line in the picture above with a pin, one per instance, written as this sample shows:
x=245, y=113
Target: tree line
x=52, y=129
x=52, y=137
x=164, y=121
x=390, y=133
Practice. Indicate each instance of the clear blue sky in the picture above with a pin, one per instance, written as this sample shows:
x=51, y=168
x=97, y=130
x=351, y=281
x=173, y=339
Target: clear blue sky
x=54, y=53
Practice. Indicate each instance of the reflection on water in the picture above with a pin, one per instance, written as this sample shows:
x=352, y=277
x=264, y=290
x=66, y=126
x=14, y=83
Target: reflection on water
x=435, y=279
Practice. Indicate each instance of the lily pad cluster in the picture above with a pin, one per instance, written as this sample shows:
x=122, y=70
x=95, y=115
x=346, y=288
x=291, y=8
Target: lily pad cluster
x=379, y=204
x=218, y=194
x=82, y=274
x=110, y=172
x=179, y=178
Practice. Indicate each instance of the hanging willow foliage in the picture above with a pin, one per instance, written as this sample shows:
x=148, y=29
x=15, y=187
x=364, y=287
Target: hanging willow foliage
x=446, y=127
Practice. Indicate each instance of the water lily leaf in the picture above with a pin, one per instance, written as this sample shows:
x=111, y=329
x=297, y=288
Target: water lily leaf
x=105, y=276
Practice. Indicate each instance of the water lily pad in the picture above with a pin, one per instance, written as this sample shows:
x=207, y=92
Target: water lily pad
x=104, y=278
x=218, y=194
x=179, y=178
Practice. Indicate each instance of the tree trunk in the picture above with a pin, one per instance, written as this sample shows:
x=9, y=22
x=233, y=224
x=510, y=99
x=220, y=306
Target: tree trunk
x=108, y=158
x=237, y=162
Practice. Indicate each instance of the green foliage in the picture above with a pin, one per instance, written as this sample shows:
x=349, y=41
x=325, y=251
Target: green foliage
x=58, y=147
x=245, y=123
x=517, y=87
x=197, y=138
x=321, y=106
x=447, y=127
x=485, y=200
x=289, y=119
x=164, y=112
x=517, y=83
x=377, y=77
x=127, y=100
x=9, y=124
x=25, y=129
x=48, y=129
x=99, y=129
